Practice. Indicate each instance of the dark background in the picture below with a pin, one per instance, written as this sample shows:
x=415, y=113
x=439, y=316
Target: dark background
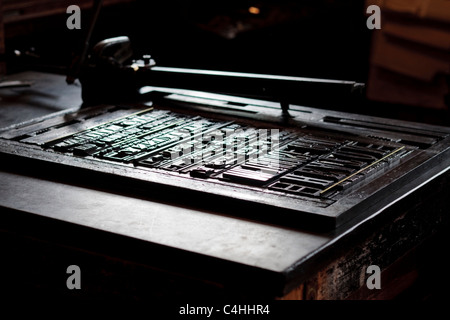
x=313, y=38
x=309, y=38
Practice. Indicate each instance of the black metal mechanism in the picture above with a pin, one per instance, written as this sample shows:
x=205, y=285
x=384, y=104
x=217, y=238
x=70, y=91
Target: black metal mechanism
x=79, y=61
x=109, y=77
x=106, y=77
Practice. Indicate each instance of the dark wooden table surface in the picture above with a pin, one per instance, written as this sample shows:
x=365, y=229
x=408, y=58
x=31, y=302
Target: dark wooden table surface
x=132, y=248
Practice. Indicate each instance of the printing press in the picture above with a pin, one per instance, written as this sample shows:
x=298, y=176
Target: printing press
x=175, y=182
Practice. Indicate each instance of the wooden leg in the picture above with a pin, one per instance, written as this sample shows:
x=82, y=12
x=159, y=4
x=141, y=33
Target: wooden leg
x=296, y=294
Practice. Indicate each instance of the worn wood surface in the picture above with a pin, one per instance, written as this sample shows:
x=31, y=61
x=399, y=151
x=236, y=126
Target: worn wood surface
x=408, y=247
x=43, y=97
x=407, y=244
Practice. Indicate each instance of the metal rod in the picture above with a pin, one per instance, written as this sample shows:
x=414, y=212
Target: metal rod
x=75, y=68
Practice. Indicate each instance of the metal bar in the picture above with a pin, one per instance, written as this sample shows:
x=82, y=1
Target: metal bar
x=363, y=169
x=75, y=69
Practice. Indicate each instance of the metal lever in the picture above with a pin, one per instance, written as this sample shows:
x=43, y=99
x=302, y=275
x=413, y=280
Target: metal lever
x=15, y=84
x=78, y=62
x=108, y=79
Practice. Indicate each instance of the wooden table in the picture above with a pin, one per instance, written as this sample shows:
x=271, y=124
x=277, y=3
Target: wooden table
x=130, y=248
